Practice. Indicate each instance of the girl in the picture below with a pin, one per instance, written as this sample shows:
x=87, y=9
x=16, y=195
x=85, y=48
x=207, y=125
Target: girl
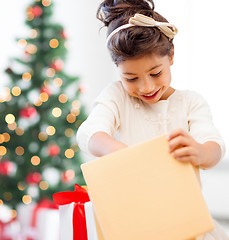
x=143, y=105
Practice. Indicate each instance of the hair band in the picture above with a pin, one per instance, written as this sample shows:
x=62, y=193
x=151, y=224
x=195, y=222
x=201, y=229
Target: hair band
x=141, y=20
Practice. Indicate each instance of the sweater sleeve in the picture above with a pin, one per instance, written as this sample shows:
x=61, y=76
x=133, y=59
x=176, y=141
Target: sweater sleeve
x=104, y=117
x=201, y=126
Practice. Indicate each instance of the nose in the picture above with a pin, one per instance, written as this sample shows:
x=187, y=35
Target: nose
x=146, y=86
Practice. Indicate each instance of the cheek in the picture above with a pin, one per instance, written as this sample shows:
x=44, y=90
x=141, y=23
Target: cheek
x=128, y=87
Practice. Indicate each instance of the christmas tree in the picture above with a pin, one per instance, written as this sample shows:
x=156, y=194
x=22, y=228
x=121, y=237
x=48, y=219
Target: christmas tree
x=40, y=112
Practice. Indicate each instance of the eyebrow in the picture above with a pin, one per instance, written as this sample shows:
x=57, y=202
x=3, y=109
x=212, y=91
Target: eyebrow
x=127, y=73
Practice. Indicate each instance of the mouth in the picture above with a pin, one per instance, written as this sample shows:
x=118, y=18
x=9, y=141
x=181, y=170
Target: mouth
x=150, y=96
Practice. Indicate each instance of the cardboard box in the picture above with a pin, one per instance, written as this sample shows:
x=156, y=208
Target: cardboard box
x=142, y=192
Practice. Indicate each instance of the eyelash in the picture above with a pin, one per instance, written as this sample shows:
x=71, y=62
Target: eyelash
x=131, y=79
x=152, y=75
x=155, y=75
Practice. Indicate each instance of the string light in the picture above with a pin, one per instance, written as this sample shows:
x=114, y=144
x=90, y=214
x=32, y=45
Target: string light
x=75, y=111
x=22, y=43
x=38, y=103
x=13, y=213
x=43, y=185
x=2, y=139
x=56, y=112
x=50, y=130
x=69, y=132
x=69, y=153
x=75, y=147
x=9, y=118
x=19, y=150
x=53, y=43
x=12, y=126
x=31, y=49
x=16, y=91
x=26, y=77
x=63, y=98
x=3, y=151
x=35, y=160
x=58, y=82
x=26, y=199
x=44, y=97
x=33, y=33
x=50, y=72
x=46, y=3
x=42, y=136
x=30, y=15
x=6, y=137
x=71, y=118
x=76, y=104
x=19, y=131
x=21, y=186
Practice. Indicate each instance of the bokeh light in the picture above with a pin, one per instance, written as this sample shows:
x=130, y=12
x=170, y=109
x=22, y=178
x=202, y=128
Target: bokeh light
x=6, y=137
x=3, y=151
x=71, y=118
x=63, y=98
x=56, y=112
x=44, y=97
x=43, y=185
x=53, y=43
x=26, y=76
x=19, y=131
x=42, y=136
x=12, y=126
x=35, y=160
x=9, y=118
x=50, y=72
x=58, y=82
x=26, y=199
x=46, y=3
x=19, y=150
x=69, y=153
x=50, y=130
x=16, y=91
x=69, y=132
x=22, y=43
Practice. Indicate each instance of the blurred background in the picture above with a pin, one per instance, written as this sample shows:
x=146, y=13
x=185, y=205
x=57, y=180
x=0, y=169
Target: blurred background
x=201, y=63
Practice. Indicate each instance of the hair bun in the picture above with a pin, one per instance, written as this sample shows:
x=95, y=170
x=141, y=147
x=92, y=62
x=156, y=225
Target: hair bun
x=110, y=10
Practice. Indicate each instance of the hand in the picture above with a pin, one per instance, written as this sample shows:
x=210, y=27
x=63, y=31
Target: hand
x=184, y=148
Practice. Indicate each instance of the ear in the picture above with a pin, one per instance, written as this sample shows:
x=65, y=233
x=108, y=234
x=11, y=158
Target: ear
x=171, y=57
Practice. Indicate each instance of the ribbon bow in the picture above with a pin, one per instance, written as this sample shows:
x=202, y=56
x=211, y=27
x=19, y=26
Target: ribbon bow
x=141, y=20
x=79, y=197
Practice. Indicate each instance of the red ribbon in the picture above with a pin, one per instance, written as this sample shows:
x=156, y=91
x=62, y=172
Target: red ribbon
x=3, y=225
x=80, y=197
x=43, y=203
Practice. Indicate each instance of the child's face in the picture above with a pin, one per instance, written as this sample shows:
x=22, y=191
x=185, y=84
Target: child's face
x=147, y=78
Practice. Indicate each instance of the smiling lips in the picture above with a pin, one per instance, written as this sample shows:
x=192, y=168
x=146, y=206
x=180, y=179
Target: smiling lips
x=150, y=96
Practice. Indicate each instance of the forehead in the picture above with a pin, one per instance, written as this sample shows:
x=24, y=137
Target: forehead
x=142, y=64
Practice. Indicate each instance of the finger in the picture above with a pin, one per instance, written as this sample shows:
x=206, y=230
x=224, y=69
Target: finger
x=184, y=151
x=176, y=133
x=178, y=142
x=185, y=159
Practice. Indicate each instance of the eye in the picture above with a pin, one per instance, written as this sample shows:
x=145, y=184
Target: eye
x=155, y=74
x=131, y=79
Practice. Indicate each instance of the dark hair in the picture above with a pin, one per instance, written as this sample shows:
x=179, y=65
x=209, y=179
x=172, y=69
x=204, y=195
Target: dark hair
x=134, y=41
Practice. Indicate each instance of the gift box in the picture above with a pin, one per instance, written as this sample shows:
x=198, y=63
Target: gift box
x=10, y=230
x=77, y=219
x=39, y=221
x=142, y=192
